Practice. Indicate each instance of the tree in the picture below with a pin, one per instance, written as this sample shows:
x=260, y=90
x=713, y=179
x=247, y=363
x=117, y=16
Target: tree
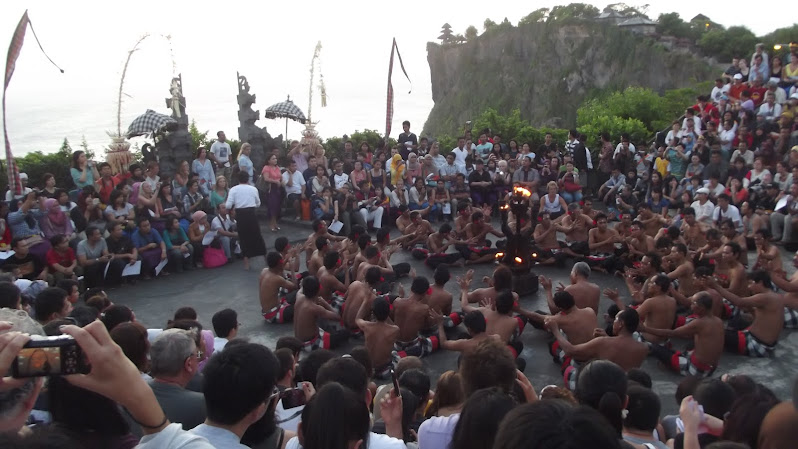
x=489, y=24
x=446, y=36
x=671, y=24
x=536, y=16
x=198, y=138
x=506, y=23
x=573, y=11
x=737, y=41
x=627, y=11
x=471, y=33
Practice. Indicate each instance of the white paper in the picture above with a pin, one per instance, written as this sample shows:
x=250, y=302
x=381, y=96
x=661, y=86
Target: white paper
x=107, y=265
x=152, y=214
x=186, y=255
x=6, y=254
x=159, y=267
x=447, y=208
x=336, y=226
x=132, y=270
x=208, y=238
x=782, y=202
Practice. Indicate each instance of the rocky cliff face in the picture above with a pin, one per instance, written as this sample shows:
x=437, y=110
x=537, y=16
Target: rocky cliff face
x=547, y=71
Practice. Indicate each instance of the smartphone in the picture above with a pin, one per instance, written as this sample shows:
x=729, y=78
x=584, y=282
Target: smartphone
x=292, y=398
x=50, y=356
x=96, y=201
x=395, y=382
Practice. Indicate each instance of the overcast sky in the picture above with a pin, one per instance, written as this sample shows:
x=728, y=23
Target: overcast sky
x=269, y=42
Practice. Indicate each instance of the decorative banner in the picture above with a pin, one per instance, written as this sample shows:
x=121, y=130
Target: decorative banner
x=389, y=108
x=14, y=183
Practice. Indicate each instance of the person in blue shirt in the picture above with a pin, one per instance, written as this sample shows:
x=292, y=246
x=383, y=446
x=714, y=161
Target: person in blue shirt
x=150, y=246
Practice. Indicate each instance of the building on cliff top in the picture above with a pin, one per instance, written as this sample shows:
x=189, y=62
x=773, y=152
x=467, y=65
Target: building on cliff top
x=639, y=25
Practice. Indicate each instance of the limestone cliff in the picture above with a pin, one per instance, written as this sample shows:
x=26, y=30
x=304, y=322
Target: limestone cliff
x=547, y=71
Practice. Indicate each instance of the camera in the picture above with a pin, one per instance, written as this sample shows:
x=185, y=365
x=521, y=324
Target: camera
x=50, y=356
x=292, y=398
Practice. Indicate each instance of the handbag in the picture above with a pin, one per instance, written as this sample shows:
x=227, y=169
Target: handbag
x=262, y=185
x=213, y=257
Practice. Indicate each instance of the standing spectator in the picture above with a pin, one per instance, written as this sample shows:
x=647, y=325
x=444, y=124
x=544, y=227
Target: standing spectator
x=294, y=184
x=460, y=152
x=93, y=256
x=243, y=199
x=407, y=140
x=179, y=249
x=245, y=163
x=83, y=171
x=203, y=167
x=222, y=155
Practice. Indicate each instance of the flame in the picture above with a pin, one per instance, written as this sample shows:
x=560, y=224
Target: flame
x=518, y=190
x=499, y=255
x=519, y=260
x=534, y=255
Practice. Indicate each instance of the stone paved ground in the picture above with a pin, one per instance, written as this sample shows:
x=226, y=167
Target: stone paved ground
x=208, y=291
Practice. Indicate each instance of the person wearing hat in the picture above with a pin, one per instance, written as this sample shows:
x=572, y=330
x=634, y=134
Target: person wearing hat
x=703, y=207
x=736, y=89
x=10, y=195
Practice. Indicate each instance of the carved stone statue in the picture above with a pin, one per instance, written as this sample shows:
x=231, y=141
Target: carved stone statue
x=260, y=140
x=173, y=145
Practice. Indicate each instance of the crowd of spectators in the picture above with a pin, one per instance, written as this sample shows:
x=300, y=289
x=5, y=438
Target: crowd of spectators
x=688, y=208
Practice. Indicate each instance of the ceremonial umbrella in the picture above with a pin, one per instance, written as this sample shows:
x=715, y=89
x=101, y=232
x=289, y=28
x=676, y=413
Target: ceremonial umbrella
x=148, y=123
x=287, y=110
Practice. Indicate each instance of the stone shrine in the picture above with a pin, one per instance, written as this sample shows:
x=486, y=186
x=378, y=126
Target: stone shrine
x=248, y=131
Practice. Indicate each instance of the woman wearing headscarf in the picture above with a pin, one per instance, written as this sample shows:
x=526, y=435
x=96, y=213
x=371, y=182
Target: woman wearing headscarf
x=414, y=169
x=397, y=168
x=196, y=233
x=56, y=221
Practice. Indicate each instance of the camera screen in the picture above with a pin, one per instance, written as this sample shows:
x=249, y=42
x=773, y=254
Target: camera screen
x=32, y=362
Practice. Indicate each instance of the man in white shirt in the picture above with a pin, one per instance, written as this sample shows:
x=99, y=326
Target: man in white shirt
x=437, y=159
x=460, y=152
x=222, y=155
x=770, y=109
x=703, y=207
x=690, y=116
x=624, y=143
x=724, y=211
x=225, y=325
x=339, y=177
x=780, y=94
x=727, y=135
x=294, y=184
x=253, y=369
x=225, y=228
x=23, y=177
x=721, y=88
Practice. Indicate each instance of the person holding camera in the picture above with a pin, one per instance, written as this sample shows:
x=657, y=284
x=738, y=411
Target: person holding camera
x=83, y=171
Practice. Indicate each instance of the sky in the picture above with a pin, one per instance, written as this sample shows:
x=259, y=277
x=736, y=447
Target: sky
x=271, y=43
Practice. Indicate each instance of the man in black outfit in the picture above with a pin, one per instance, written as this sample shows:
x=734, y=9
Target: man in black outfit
x=408, y=141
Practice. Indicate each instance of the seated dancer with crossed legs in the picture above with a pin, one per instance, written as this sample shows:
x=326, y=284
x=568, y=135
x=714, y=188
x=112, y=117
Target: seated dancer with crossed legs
x=315, y=320
x=277, y=294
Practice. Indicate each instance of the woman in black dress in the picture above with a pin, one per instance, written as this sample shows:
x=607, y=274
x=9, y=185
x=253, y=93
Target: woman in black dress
x=245, y=199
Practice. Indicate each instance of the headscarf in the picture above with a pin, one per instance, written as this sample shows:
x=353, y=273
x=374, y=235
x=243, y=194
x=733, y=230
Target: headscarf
x=198, y=215
x=413, y=166
x=54, y=212
x=397, y=169
x=134, y=193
